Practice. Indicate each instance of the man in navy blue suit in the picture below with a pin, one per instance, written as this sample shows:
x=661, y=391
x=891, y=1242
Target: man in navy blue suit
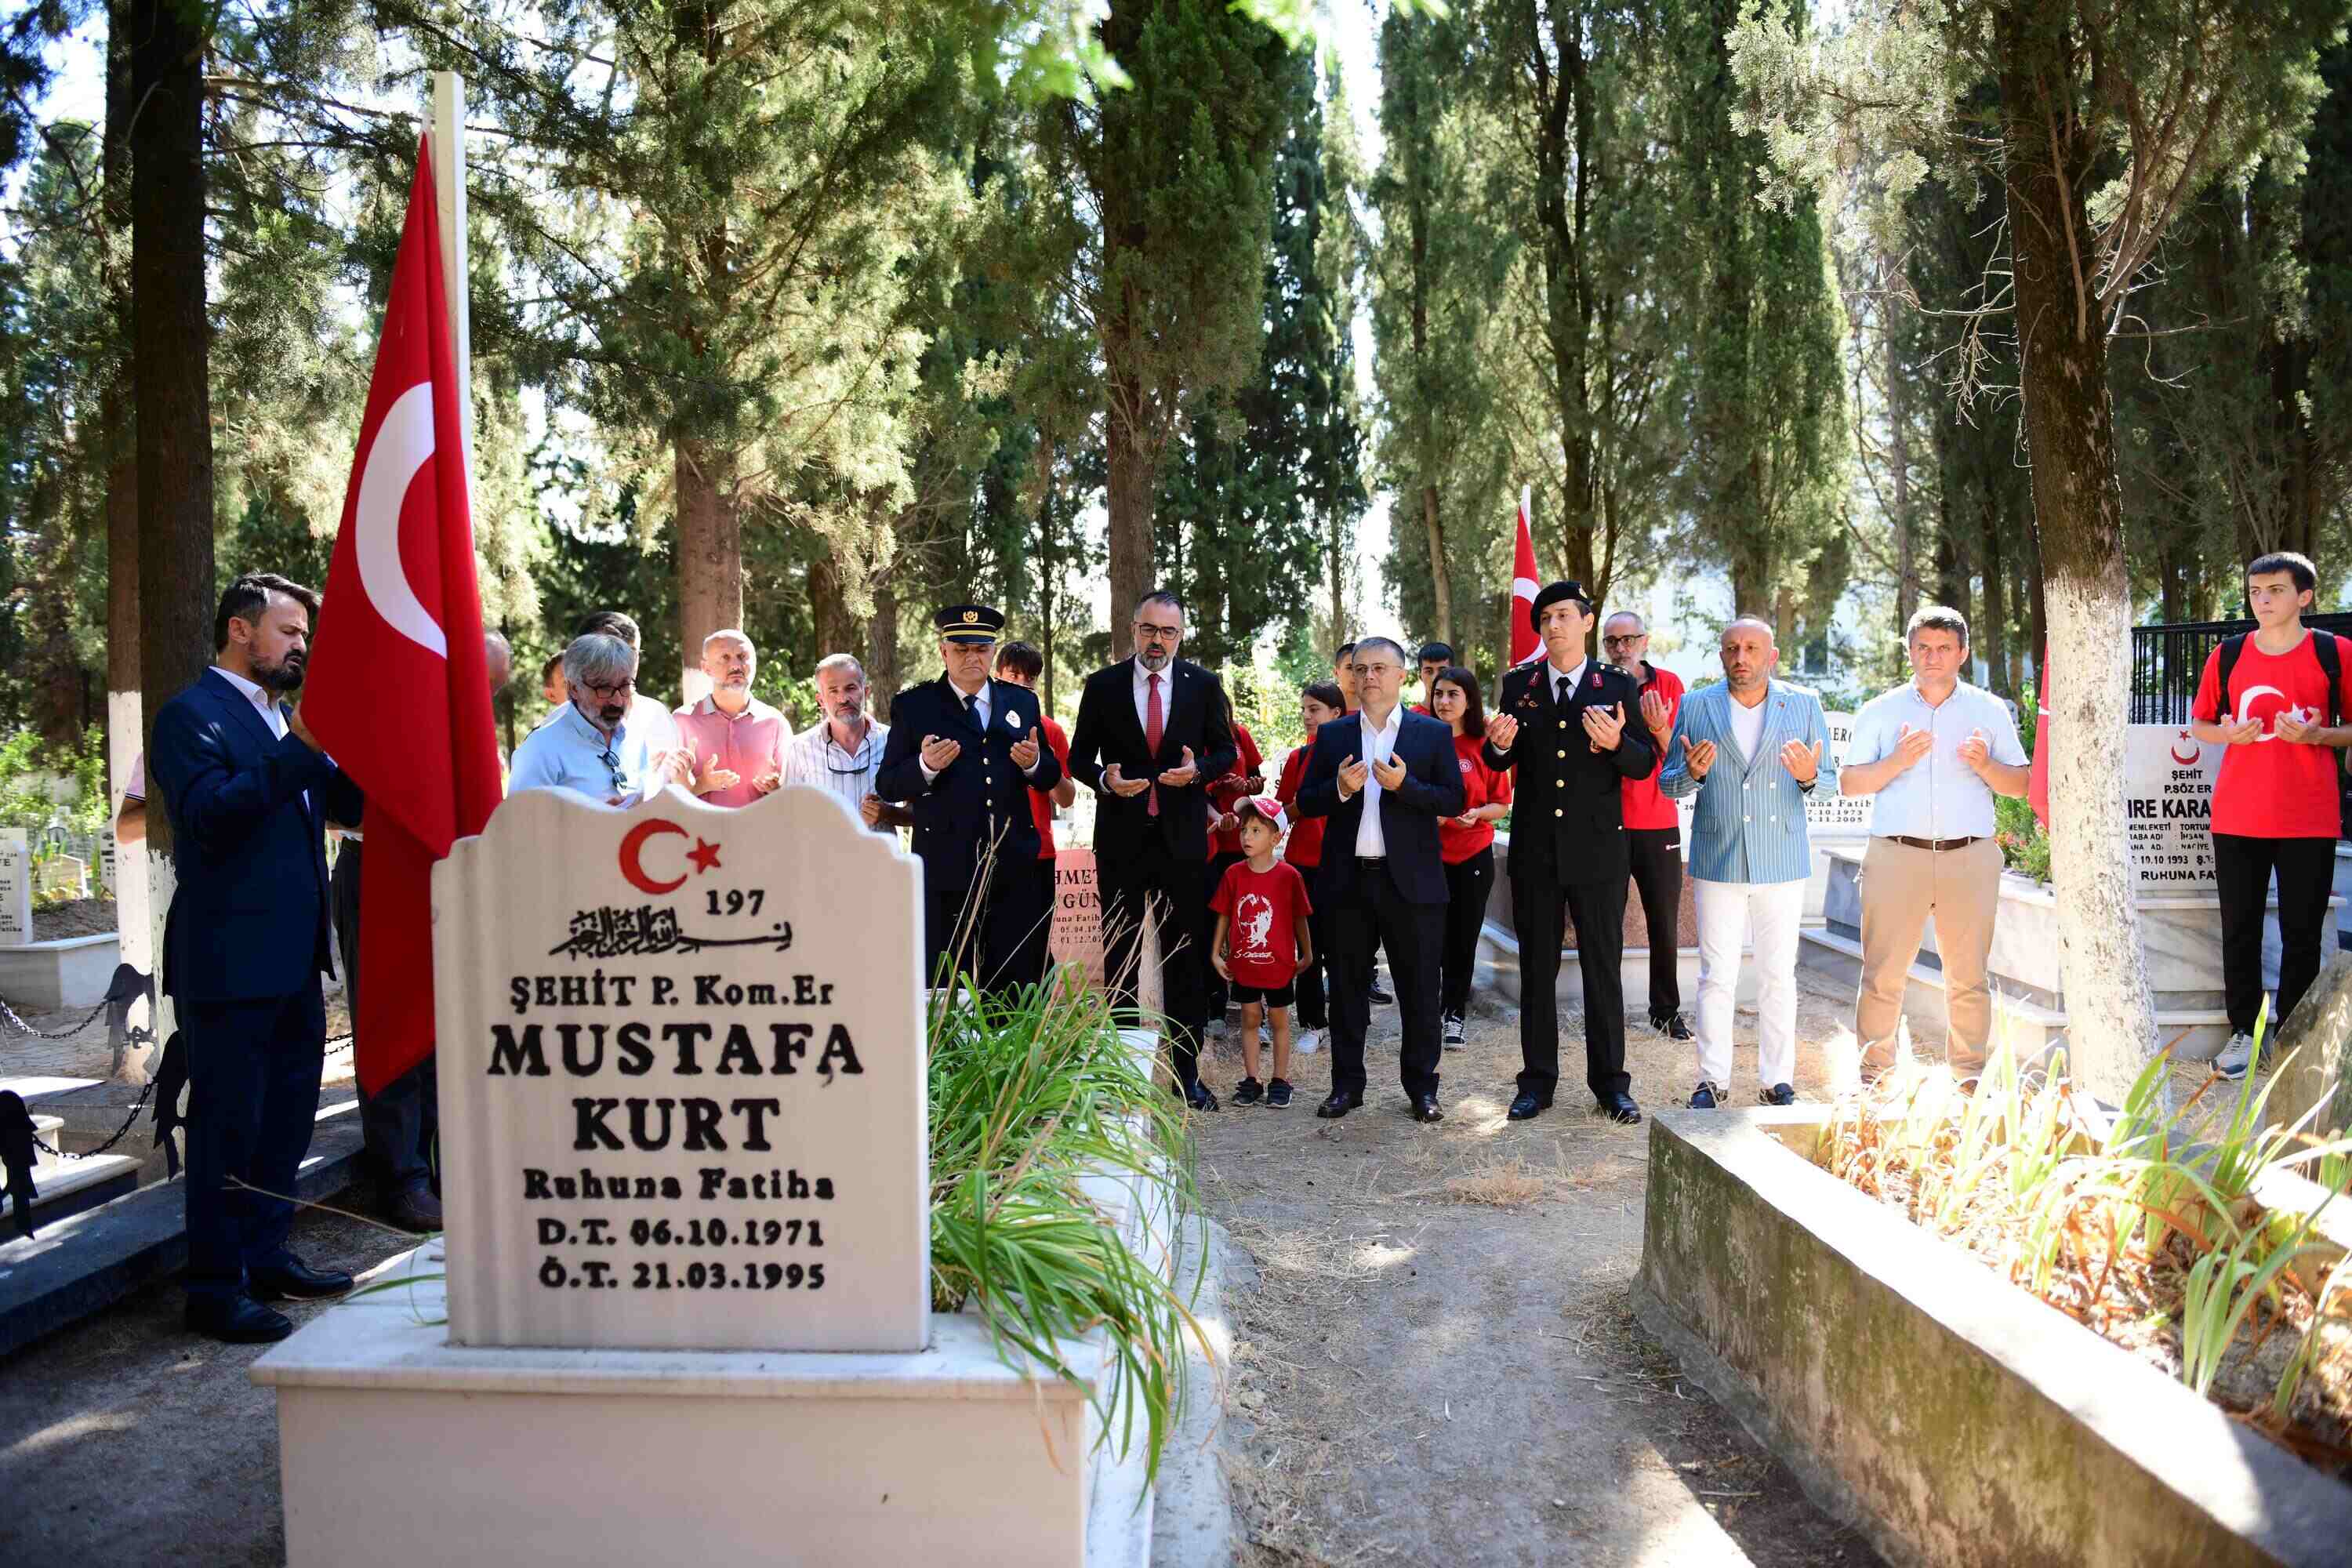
x=1384, y=777
x=249, y=793
x=963, y=756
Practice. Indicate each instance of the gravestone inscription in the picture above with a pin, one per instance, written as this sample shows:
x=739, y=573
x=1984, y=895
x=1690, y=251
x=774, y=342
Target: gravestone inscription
x=683, y=1077
x=16, y=892
x=2168, y=777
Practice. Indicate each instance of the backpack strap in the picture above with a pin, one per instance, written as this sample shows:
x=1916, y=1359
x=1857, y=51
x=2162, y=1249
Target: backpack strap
x=2331, y=665
x=2227, y=656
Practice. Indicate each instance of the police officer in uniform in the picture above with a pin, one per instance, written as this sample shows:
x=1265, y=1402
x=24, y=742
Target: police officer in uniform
x=963, y=755
x=1571, y=726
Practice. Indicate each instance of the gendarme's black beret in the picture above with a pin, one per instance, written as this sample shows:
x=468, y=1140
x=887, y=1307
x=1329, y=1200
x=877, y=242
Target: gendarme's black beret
x=968, y=623
x=1553, y=592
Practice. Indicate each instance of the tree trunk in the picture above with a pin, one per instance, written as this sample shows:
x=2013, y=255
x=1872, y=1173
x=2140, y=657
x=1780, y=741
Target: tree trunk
x=2078, y=508
x=882, y=649
x=1898, y=457
x=1129, y=497
x=836, y=632
x=709, y=557
x=1993, y=634
x=1335, y=552
x=1437, y=582
x=172, y=351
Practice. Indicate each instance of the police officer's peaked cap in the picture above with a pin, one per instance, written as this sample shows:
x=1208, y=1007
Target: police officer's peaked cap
x=968, y=623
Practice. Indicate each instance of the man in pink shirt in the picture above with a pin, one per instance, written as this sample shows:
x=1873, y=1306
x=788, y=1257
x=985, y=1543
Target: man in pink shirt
x=736, y=740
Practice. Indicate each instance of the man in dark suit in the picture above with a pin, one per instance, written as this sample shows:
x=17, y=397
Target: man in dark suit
x=245, y=942
x=1563, y=722
x=1383, y=776
x=1152, y=731
x=964, y=755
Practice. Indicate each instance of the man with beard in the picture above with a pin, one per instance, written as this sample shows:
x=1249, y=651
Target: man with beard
x=1654, y=830
x=842, y=752
x=736, y=741
x=1154, y=730
x=245, y=941
x=592, y=745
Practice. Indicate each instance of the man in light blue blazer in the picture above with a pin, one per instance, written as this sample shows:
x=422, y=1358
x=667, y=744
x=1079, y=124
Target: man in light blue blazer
x=1751, y=750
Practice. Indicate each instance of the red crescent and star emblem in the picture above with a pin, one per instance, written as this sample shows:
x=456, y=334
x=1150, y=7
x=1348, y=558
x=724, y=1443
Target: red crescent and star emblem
x=2196, y=752
x=703, y=857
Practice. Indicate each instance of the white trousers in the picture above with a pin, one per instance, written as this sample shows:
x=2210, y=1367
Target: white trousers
x=1726, y=912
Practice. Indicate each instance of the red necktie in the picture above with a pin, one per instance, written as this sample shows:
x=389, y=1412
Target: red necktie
x=1151, y=730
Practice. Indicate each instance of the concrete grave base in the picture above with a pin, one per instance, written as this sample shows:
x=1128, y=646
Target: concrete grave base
x=1946, y=1414
x=68, y=972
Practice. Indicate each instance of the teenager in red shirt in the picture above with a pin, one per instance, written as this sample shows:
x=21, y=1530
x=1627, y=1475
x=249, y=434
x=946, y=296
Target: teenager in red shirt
x=1465, y=843
x=1653, y=834
x=1318, y=702
x=1262, y=943
x=1023, y=665
x=2276, y=806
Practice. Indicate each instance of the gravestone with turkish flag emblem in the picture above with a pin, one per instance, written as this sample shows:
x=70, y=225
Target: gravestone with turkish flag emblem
x=683, y=1079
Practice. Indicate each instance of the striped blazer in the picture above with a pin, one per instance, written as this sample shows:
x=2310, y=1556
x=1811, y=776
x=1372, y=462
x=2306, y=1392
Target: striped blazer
x=1749, y=826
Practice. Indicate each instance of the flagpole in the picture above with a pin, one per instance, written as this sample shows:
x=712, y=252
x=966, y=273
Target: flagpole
x=449, y=147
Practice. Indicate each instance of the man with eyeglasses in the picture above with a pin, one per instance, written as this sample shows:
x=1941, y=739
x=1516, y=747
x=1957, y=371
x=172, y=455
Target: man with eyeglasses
x=734, y=740
x=1654, y=832
x=841, y=753
x=594, y=747
x=1152, y=731
x=965, y=756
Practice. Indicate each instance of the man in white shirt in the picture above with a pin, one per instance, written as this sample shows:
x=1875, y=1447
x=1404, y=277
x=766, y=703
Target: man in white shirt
x=841, y=753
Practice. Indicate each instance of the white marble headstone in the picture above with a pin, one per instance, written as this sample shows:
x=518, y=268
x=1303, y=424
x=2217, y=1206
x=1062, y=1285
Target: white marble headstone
x=1829, y=815
x=16, y=892
x=2168, y=776
x=107, y=878
x=682, y=1078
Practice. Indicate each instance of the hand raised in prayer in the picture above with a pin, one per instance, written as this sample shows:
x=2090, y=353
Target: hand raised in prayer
x=1121, y=785
x=1605, y=729
x=1183, y=772
x=1913, y=745
x=710, y=778
x=1351, y=777
x=1698, y=757
x=1390, y=772
x=1975, y=752
x=1501, y=731
x=937, y=753
x=1025, y=751
x=1656, y=713
x=1803, y=763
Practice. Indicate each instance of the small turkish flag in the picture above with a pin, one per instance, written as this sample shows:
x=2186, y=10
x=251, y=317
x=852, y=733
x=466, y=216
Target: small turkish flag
x=2037, y=777
x=397, y=693
x=1525, y=644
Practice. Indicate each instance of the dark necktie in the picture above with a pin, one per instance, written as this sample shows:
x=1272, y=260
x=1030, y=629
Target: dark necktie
x=1153, y=725
x=972, y=709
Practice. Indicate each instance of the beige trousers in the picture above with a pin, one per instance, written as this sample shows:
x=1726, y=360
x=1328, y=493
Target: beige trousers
x=1902, y=885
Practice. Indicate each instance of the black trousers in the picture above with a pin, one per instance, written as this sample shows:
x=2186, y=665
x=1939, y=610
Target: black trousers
x=400, y=1128
x=1466, y=886
x=1006, y=946
x=1658, y=876
x=1210, y=883
x=1599, y=911
x=1374, y=912
x=2242, y=875
x=1169, y=888
x=253, y=1098
x=1312, y=1011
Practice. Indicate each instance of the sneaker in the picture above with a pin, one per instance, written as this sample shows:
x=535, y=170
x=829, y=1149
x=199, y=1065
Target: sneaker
x=1248, y=1091
x=2235, y=1057
x=1453, y=1041
x=1706, y=1096
x=1277, y=1093
x=1310, y=1041
x=1670, y=1024
x=1779, y=1094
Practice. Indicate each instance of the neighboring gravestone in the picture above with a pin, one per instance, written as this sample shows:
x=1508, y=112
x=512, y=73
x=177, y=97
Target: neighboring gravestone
x=16, y=892
x=66, y=874
x=1829, y=815
x=2168, y=778
x=107, y=878
x=1076, y=936
x=683, y=1082
x=2319, y=1035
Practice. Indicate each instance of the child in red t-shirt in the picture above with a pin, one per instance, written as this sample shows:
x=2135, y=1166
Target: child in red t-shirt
x=1262, y=943
x=2275, y=808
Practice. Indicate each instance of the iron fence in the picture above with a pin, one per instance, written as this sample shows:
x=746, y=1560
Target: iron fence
x=2169, y=661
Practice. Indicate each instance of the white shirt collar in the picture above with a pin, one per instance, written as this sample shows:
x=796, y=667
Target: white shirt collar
x=1143, y=676
x=252, y=693
x=1395, y=724
x=1555, y=674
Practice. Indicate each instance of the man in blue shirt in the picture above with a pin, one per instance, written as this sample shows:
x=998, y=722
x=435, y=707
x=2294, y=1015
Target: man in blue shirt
x=589, y=745
x=1935, y=751
x=1751, y=750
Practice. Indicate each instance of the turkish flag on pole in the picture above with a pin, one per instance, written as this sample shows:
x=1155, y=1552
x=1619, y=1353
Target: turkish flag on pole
x=1525, y=644
x=2037, y=779
x=397, y=693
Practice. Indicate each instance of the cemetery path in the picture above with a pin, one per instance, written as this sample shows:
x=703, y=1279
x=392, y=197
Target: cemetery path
x=1437, y=1360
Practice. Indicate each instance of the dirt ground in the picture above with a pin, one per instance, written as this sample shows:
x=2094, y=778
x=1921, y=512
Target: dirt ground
x=1439, y=1362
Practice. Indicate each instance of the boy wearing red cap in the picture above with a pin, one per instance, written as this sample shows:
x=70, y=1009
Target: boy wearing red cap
x=1262, y=943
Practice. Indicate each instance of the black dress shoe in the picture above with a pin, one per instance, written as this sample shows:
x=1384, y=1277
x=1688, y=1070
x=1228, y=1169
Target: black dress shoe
x=1526, y=1108
x=297, y=1281
x=1199, y=1097
x=1381, y=998
x=1424, y=1109
x=1670, y=1024
x=1619, y=1107
x=1338, y=1105
x=236, y=1320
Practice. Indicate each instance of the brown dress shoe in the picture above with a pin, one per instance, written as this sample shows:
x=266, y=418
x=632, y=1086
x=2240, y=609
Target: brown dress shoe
x=418, y=1210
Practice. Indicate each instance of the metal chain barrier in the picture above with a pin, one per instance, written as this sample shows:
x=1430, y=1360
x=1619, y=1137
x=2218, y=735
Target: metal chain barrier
x=136, y=1107
x=18, y=1024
